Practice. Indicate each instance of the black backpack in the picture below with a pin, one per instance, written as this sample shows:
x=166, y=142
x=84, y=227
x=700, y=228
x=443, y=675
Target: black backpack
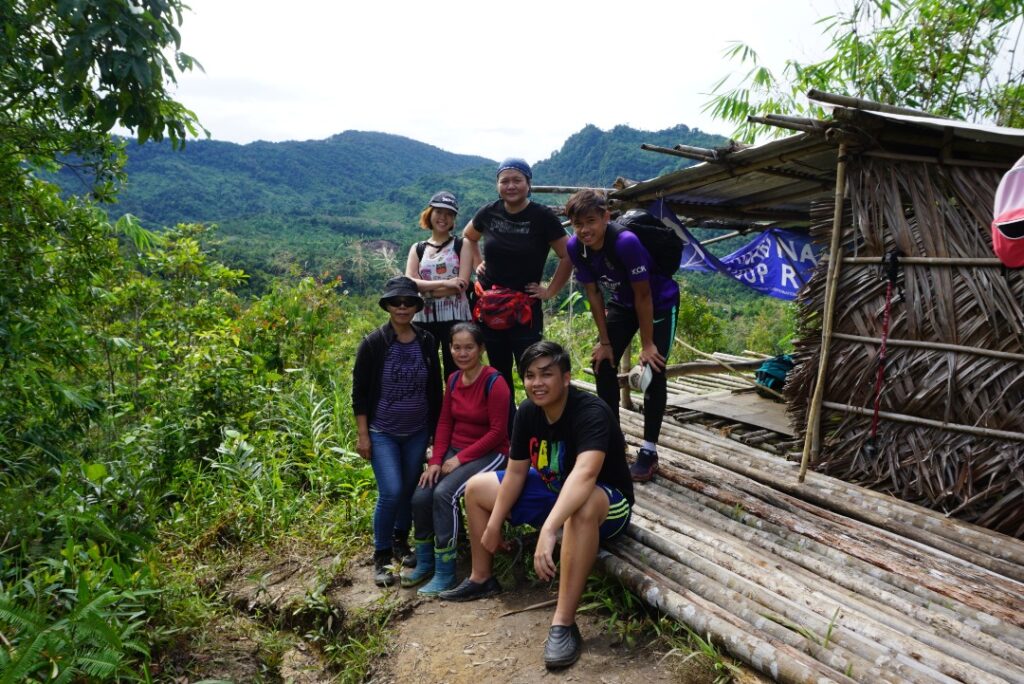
x=421, y=247
x=662, y=242
x=487, y=392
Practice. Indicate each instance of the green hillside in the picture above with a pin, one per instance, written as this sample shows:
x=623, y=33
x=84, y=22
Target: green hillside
x=596, y=158
x=212, y=180
x=327, y=207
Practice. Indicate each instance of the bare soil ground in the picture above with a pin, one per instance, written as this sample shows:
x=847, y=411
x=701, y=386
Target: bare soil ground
x=471, y=643
x=432, y=642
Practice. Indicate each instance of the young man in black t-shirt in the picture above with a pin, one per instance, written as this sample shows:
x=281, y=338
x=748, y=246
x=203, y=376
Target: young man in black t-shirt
x=567, y=470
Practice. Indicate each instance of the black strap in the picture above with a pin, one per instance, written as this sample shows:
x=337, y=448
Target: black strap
x=421, y=247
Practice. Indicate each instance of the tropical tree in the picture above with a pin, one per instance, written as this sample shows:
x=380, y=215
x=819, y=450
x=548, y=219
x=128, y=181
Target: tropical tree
x=951, y=58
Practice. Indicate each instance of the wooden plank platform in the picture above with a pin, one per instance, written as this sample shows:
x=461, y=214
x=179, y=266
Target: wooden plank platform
x=741, y=406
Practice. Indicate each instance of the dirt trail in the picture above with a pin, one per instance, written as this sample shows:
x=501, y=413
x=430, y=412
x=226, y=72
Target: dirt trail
x=470, y=643
x=271, y=598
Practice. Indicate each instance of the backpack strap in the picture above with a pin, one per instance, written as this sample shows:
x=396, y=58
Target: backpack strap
x=421, y=247
x=490, y=382
x=454, y=380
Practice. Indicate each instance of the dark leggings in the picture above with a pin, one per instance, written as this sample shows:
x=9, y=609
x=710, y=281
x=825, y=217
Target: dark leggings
x=622, y=326
x=506, y=346
x=435, y=509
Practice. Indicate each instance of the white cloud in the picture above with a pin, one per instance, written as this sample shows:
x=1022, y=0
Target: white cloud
x=494, y=79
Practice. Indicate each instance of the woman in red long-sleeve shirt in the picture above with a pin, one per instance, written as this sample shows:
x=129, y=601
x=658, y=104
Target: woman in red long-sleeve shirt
x=471, y=437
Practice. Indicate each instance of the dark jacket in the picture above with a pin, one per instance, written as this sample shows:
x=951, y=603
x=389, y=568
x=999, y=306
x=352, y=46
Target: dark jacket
x=369, y=366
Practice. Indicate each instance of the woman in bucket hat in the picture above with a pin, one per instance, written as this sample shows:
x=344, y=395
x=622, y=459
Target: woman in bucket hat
x=396, y=398
x=519, y=235
x=434, y=265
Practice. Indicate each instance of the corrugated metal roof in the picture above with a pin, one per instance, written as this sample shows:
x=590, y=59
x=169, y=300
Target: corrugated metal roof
x=776, y=182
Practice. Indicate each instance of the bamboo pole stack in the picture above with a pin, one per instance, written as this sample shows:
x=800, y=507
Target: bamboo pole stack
x=821, y=581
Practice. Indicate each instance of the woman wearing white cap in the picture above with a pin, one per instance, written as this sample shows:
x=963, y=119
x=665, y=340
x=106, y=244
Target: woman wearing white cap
x=434, y=265
x=519, y=236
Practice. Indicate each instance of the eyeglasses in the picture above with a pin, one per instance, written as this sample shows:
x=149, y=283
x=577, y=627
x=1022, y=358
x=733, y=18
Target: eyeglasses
x=397, y=302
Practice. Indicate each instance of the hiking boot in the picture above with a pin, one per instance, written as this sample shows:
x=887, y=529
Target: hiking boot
x=400, y=550
x=382, y=574
x=645, y=466
x=444, y=572
x=563, y=647
x=424, y=564
x=471, y=591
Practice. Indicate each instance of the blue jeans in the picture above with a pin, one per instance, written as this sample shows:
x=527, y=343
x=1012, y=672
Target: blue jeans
x=397, y=463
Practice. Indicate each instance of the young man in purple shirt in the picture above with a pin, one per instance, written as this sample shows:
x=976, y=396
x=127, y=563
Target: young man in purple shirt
x=640, y=300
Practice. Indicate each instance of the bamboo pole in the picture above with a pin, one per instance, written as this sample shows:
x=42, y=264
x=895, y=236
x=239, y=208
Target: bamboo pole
x=754, y=606
x=698, y=368
x=966, y=542
x=983, y=549
x=927, y=261
x=566, y=189
x=707, y=153
x=668, y=150
x=727, y=458
x=789, y=125
x=927, y=570
x=928, y=422
x=867, y=105
x=778, y=661
x=705, y=544
x=727, y=236
x=625, y=396
x=937, y=346
x=852, y=578
x=866, y=631
x=811, y=438
x=942, y=161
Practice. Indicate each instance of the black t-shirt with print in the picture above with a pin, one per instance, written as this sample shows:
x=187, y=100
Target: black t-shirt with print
x=586, y=424
x=516, y=246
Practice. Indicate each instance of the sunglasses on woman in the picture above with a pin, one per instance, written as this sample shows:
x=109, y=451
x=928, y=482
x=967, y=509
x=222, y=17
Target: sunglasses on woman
x=410, y=302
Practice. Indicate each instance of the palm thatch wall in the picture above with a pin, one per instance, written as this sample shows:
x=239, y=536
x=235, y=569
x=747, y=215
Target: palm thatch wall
x=924, y=210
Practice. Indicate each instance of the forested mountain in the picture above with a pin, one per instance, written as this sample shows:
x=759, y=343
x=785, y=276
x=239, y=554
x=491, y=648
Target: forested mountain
x=358, y=173
x=212, y=180
x=596, y=158
x=312, y=207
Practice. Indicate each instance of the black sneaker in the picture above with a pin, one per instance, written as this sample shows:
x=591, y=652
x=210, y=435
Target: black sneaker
x=563, y=647
x=383, y=576
x=471, y=591
x=645, y=466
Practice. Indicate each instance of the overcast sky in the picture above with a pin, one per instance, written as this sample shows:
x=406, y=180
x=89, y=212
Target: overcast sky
x=497, y=79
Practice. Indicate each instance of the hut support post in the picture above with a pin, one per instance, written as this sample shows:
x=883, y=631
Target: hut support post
x=812, y=438
x=626, y=362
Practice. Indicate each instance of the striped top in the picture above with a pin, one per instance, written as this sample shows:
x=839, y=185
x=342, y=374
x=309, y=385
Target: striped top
x=402, y=409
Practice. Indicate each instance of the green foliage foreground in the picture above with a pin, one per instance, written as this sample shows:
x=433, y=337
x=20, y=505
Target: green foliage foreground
x=140, y=402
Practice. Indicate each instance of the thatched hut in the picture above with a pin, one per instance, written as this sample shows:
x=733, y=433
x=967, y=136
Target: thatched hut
x=871, y=180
